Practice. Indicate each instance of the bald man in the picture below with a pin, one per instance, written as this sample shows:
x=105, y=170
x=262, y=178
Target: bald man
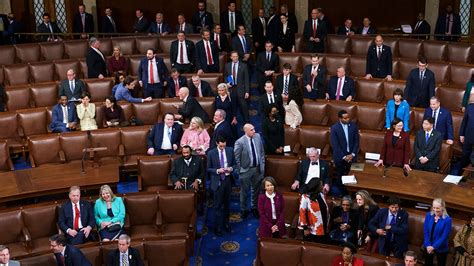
x=379, y=60
x=190, y=107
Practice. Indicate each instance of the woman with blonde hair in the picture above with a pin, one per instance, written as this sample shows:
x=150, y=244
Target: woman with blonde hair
x=227, y=102
x=437, y=228
x=367, y=208
x=117, y=62
x=196, y=136
x=109, y=212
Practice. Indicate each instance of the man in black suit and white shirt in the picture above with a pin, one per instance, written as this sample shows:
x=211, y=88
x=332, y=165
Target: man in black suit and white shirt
x=341, y=87
x=267, y=64
x=221, y=128
x=346, y=29
x=202, y=19
x=315, y=32
x=141, y=24
x=379, y=60
x=83, y=22
x=187, y=171
x=109, y=25
x=273, y=26
x=182, y=54
x=271, y=97
x=124, y=254
x=96, y=66
x=242, y=44
x=50, y=28
x=220, y=39
x=237, y=76
x=259, y=30
x=207, y=54
x=312, y=167
x=422, y=27
x=73, y=88
x=285, y=81
x=314, y=78
x=190, y=108
x=420, y=85
x=231, y=18
x=200, y=88
x=76, y=218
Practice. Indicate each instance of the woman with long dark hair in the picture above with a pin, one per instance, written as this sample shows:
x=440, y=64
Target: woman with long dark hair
x=314, y=216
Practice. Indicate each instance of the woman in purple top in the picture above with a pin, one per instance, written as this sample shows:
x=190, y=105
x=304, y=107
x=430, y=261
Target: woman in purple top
x=271, y=208
x=117, y=62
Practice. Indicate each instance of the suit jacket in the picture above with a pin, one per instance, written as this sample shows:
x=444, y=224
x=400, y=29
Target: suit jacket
x=440, y=234
x=141, y=25
x=199, y=21
x=42, y=28
x=214, y=163
x=399, y=231
x=444, y=123
x=321, y=33
x=286, y=40
x=429, y=149
x=78, y=27
x=72, y=257
x=66, y=216
x=171, y=85
x=399, y=154
x=418, y=93
x=191, y=108
x=441, y=27
x=95, y=64
x=423, y=28
x=189, y=46
x=266, y=217
x=224, y=19
x=304, y=167
x=379, y=68
x=353, y=220
x=155, y=138
x=188, y=28
x=467, y=125
x=194, y=171
x=257, y=32
x=243, y=153
x=107, y=26
x=339, y=143
x=79, y=88
x=201, y=56
x=223, y=41
x=279, y=83
x=238, y=46
x=134, y=258
x=243, y=85
x=273, y=24
x=143, y=70
x=263, y=65
x=292, y=21
x=154, y=28
x=342, y=30
x=371, y=30
x=57, y=117
x=318, y=90
x=205, y=89
x=265, y=104
x=223, y=129
x=348, y=88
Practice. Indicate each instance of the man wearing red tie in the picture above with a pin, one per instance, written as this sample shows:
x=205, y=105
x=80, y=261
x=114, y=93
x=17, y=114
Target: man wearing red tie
x=76, y=218
x=315, y=32
x=182, y=54
x=152, y=73
x=220, y=39
x=207, y=54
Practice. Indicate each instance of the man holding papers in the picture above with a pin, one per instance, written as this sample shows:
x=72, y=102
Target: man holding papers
x=427, y=146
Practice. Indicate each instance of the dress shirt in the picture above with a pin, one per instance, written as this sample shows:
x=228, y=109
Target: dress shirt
x=272, y=201
x=271, y=98
x=244, y=43
x=99, y=52
x=236, y=65
x=166, y=143
x=218, y=124
x=418, y=24
x=268, y=56
x=264, y=25
x=156, y=77
x=284, y=28
x=365, y=30
x=65, y=114
x=188, y=161
x=208, y=54
x=389, y=217
x=232, y=21
x=225, y=159
x=313, y=171
x=185, y=53
x=345, y=128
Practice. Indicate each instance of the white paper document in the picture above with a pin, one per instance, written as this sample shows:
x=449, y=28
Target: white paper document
x=287, y=148
x=349, y=179
x=372, y=156
x=453, y=179
x=407, y=29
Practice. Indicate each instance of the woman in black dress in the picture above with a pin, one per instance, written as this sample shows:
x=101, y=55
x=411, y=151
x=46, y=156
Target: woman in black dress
x=225, y=101
x=273, y=131
x=112, y=114
x=286, y=36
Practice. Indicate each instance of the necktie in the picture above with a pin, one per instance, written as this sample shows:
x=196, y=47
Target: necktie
x=83, y=17
x=315, y=28
x=338, y=92
x=113, y=24
x=268, y=57
x=51, y=30
x=435, y=116
x=77, y=215
x=417, y=25
x=285, y=88
x=346, y=134
x=234, y=73
x=314, y=163
x=181, y=51
x=169, y=134
x=254, y=155
x=270, y=98
x=124, y=259
x=232, y=23
x=209, y=56
x=393, y=222
x=421, y=76
x=71, y=85
x=159, y=28
x=218, y=42
x=152, y=79
x=379, y=52
x=176, y=87
x=427, y=137
x=244, y=44
x=63, y=259
x=264, y=26
x=222, y=164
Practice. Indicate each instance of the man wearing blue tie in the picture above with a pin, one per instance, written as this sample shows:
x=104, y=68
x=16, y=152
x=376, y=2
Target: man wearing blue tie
x=427, y=146
x=241, y=44
x=420, y=85
x=443, y=120
x=164, y=138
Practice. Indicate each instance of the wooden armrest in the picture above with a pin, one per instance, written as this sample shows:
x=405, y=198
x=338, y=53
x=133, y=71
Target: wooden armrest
x=325, y=151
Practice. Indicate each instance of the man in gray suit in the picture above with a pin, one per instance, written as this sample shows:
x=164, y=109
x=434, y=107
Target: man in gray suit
x=73, y=88
x=5, y=257
x=250, y=161
x=237, y=76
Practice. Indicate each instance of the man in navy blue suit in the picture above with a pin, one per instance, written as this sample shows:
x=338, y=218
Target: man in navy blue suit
x=391, y=226
x=202, y=19
x=159, y=27
x=345, y=144
x=314, y=78
x=64, y=117
x=466, y=135
x=109, y=24
x=182, y=53
x=443, y=120
x=152, y=73
x=83, y=22
x=221, y=128
x=165, y=137
x=340, y=87
x=67, y=255
x=242, y=44
x=379, y=60
x=207, y=54
x=76, y=218
x=420, y=85
x=175, y=82
x=220, y=165
x=200, y=88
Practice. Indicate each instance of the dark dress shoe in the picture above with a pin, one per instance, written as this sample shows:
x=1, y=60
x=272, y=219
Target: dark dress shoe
x=227, y=228
x=255, y=213
x=245, y=214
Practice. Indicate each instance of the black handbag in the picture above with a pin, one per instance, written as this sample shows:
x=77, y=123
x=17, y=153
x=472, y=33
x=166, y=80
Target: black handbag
x=114, y=227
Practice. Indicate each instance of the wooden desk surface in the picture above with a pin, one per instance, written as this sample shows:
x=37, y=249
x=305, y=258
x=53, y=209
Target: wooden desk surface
x=418, y=186
x=50, y=179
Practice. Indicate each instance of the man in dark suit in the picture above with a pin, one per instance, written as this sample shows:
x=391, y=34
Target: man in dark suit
x=109, y=25
x=231, y=18
x=391, y=226
x=124, y=254
x=271, y=98
x=466, y=135
x=12, y=30
x=366, y=29
x=159, y=27
x=314, y=79
x=96, y=66
x=73, y=88
x=50, y=28
x=273, y=26
x=443, y=120
x=286, y=81
x=164, y=137
x=67, y=255
x=242, y=44
x=346, y=29
x=292, y=21
x=345, y=144
x=152, y=74
x=141, y=24
x=379, y=60
x=175, y=82
x=422, y=27
x=182, y=55
x=200, y=88
x=311, y=167
x=187, y=171
x=64, y=117
x=267, y=64
x=207, y=54
x=340, y=87
x=221, y=128
x=427, y=146
x=447, y=25
x=314, y=32
x=220, y=39
x=420, y=85
x=237, y=77
x=83, y=22
x=325, y=20
x=202, y=19
x=190, y=108
x=259, y=28
x=76, y=218
x=183, y=26
x=220, y=165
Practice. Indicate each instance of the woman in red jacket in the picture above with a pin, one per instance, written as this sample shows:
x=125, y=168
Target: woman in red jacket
x=347, y=258
x=396, y=147
x=271, y=208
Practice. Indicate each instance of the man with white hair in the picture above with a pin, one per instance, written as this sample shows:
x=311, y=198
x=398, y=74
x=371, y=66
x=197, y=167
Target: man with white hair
x=190, y=107
x=312, y=167
x=95, y=59
x=124, y=254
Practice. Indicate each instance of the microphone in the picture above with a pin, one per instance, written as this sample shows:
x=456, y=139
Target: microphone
x=385, y=169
